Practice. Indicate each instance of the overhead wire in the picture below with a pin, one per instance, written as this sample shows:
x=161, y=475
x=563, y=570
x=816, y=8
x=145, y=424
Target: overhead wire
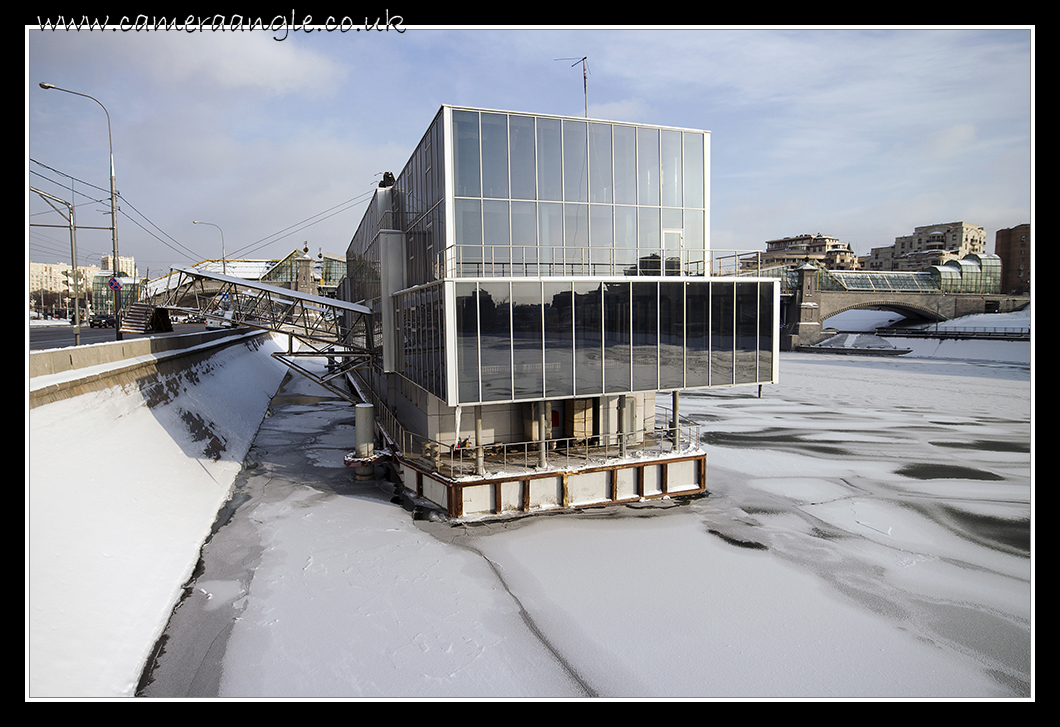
x=185, y=251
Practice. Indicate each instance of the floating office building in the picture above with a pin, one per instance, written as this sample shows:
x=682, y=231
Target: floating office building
x=536, y=282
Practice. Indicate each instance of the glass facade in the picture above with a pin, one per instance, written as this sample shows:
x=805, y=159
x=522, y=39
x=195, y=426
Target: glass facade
x=546, y=196
x=558, y=257
x=522, y=340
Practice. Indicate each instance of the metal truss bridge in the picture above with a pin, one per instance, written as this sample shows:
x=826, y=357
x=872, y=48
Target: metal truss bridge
x=322, y=327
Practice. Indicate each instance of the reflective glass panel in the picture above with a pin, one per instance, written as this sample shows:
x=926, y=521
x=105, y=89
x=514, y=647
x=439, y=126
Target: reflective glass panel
x=550, y=236
x=697, y=334
x=588, y=338
x=495, y=341
x=722, y=325
x=558, y=313
x=693, y=170
x=494, y=155
x=746, y=333
x=672, y=173
x=645, y=336
x=647, y=166
x=600, y=163
x=466, y=154
x=671, y=335
x=467, y=368
x=575, y=168
x=767, y=328
x=524, y=238
x=617, y=348
x=549, y=160
x=625, y=164
x=576, y=238
x=523, y=157
x=469, y=235
x=527, y=350
x=495, y=234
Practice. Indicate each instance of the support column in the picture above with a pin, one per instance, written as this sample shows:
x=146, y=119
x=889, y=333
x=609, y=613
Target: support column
x=542, y=460
x=622, y=425
x=364, y=430
x=677, y=420
x=479, y=452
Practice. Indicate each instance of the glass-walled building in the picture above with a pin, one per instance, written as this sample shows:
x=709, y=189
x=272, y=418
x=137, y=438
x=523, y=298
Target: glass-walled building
x=526, y=260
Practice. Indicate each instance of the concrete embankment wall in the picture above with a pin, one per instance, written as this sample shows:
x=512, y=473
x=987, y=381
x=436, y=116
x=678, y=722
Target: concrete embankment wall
x=132, y=449
x=61, y=373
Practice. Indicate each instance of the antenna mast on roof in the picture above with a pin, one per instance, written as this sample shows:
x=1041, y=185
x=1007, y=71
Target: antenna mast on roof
x=585, y=77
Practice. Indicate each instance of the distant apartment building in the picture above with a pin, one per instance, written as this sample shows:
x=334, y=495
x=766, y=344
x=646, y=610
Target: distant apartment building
x=51, y=285
x=827, y=251
x=928, y=246
x=1013, y=246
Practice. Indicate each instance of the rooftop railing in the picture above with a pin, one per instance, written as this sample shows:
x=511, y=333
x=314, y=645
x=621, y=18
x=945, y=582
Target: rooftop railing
x=514, y=261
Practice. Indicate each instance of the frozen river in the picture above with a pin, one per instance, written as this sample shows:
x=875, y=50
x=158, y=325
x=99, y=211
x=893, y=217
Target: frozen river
x=867, y=533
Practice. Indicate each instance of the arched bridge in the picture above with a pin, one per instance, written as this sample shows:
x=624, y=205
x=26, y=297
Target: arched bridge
x=811, y=295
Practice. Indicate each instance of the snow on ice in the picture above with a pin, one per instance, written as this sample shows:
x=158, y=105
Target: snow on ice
x=867, y=534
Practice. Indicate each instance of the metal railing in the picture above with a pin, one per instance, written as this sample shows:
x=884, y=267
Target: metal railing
x=464, y=459
x=514, y=261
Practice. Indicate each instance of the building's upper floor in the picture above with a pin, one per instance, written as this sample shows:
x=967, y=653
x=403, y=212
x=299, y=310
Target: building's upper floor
x=504, y=194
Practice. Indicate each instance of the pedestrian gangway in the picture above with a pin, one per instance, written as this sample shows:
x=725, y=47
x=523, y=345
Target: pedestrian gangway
x=316, y=326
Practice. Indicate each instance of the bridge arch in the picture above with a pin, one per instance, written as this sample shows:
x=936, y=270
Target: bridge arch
x=906, y=308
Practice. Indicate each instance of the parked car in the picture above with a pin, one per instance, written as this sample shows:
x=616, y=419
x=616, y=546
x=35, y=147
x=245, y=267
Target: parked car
x=101, y=320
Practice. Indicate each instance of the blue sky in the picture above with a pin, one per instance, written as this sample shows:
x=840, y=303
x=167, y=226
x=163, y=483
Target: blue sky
x=862, y=134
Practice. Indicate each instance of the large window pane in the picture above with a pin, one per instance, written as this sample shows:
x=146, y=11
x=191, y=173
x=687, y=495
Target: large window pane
x=494, y=155
x=469, y=236
x=576, y=238
x=467, y=368
x=495, y=342
x=626, y=239
x=495, y=235
x=649, y=240
x=559, y=339
x=549, y=160
x=601, y=239
x=617, y=348
x=575, y=169
x=527, y=349
x=466, y=153
x=672, y=175
x=600, y=184
x=625, y=164
x=647, y=166
x=524, y=238
x=693, y=170
x=645, y=336
x=722, y=342
x=588, y=339
x=697, y=334
x=550, y=236
x=767, y=329
x=523, y=157
x=746, y=333
x=671, y=335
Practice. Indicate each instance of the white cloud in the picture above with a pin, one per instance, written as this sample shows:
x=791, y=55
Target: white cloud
x=253, y=61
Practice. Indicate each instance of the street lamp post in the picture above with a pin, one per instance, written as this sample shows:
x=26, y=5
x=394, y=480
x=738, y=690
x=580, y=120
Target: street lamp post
x=113, y=199
x=224, y=270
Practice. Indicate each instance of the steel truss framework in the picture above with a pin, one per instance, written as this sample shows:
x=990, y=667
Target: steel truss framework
x=323, y=327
